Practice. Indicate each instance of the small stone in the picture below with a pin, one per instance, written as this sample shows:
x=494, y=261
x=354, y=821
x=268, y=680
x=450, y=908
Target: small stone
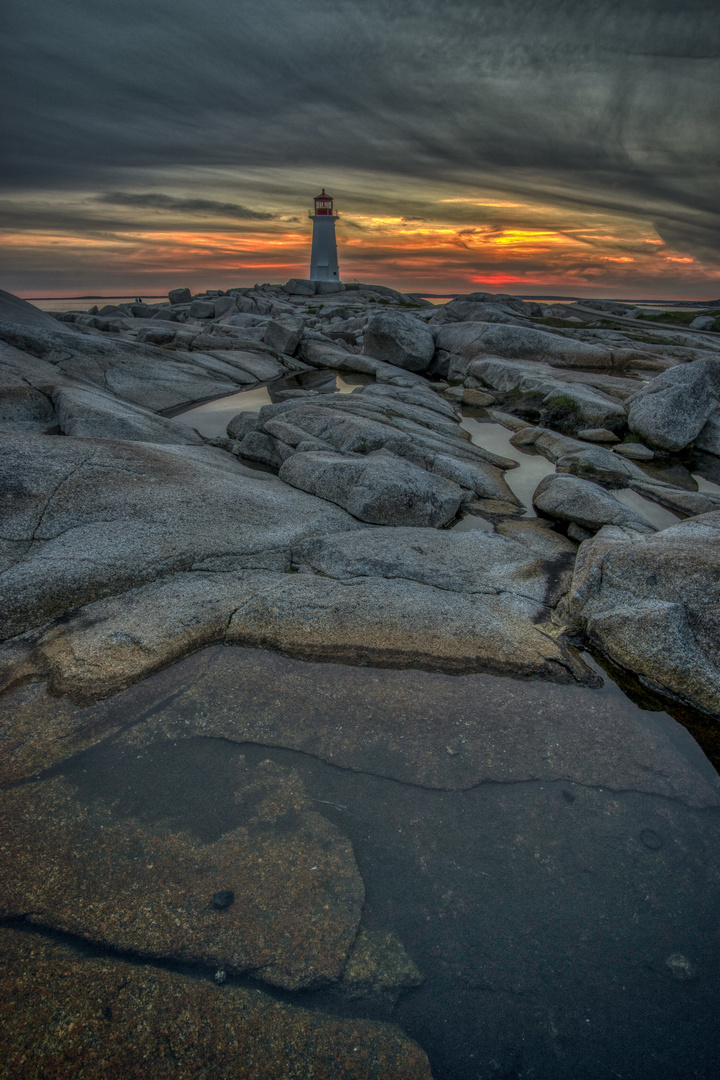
x=681, y=968
x=650, y=839
x=598, y=435
x=223, y=899
x=703, y=322
x=477, y=398
x=635, y=451
x=220, y=976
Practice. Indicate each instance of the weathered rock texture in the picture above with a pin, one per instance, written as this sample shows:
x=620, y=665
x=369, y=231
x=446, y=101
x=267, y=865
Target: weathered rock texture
x=399, y=339
x=87, y=519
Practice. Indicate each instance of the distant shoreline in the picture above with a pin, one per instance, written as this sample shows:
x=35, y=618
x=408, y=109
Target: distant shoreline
x=428, y=296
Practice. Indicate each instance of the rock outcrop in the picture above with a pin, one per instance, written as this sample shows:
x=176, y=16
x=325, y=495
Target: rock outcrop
x=651, y=603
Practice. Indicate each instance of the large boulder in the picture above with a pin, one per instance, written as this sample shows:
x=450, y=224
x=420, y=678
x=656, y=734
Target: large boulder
x=399, y=339
x=673, y=409
x=284, y=336
x=569, y=498
x=380, y=488
x=651, y=604
x=180, y=296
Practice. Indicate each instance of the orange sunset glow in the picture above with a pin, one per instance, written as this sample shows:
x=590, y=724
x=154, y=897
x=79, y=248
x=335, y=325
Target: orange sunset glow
x=438, y=245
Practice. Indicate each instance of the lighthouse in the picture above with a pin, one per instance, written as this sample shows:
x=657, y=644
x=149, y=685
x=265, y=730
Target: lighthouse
x=323, y=258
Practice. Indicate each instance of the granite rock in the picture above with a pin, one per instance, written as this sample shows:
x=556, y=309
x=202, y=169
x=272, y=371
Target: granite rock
x=673, y=409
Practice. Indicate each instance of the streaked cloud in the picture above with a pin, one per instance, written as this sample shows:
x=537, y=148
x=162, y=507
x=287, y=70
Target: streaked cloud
x=168, y=203
x=578, y=133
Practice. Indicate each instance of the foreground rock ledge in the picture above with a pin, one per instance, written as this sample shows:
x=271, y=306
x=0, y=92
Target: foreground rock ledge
x=106, y=646
x=63, y=1016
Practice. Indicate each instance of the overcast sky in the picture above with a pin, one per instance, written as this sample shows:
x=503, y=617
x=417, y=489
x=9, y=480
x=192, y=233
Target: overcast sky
x=552, y=146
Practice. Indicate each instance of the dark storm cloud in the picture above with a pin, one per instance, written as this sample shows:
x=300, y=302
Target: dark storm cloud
x=598, y=104
x=153, y=201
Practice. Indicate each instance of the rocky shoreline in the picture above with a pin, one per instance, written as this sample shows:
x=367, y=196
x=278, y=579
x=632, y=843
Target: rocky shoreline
x=131, y=540
x=367, y=529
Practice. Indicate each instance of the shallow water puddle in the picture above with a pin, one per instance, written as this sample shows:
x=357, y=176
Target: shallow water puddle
x=532, y=466
x=212, y=418
x=654, y=514
x=547, y=855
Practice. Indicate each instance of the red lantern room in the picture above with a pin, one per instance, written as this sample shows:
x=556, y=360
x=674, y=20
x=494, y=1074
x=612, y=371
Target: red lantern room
x=323, y=203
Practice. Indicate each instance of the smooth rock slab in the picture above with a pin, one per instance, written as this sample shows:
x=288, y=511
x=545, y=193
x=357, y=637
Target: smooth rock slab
x=298, y=894
x=23, y=313
x=379, y=488
x=67, y=1016
x=94, y=517
x=115, y=642
x=395, y=723
x=91, y=414
x=143, y=374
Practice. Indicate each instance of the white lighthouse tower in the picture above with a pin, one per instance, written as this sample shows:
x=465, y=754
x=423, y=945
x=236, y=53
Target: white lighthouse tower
x=323, y=258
